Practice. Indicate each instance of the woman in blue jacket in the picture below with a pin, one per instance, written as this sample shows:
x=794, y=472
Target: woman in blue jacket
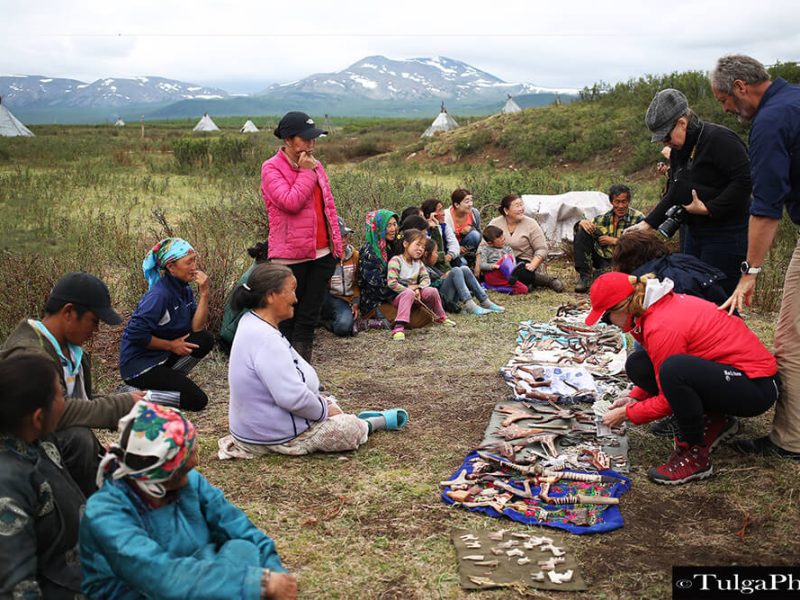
x=166, y=337
x=156, y=528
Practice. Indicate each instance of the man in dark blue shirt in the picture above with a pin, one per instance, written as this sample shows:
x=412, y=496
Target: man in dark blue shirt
x=743, y=87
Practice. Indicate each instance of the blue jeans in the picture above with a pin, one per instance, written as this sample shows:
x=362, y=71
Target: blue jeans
x=461, y=284
x=723, y=247
x=471, y=241
x=337, y=316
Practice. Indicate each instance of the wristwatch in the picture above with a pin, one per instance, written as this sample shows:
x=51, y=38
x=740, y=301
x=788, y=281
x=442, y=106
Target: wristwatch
x=747, y=269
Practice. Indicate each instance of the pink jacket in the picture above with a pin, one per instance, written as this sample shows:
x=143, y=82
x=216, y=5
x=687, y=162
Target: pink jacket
x=289, y=196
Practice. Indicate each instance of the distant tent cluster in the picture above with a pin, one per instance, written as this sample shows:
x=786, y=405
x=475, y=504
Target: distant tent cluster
x=119, y=122
x=442, y=122
x=10, y=126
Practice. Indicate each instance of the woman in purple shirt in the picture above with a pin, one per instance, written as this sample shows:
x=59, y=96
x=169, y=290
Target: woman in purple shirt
x=275, y=404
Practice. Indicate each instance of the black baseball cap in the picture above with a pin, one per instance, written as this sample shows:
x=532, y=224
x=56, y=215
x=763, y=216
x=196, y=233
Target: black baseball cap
x=298, y=123
x=89, y=291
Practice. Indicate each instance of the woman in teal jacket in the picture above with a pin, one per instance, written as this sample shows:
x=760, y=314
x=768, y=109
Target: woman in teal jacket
x=158, y=529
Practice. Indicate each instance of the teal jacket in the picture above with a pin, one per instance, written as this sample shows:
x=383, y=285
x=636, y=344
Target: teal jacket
x=198, y=546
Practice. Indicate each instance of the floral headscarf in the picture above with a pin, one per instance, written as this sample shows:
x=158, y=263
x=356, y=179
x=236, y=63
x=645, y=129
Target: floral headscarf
x=150, y=431
x=164, y=252
x=375, y=234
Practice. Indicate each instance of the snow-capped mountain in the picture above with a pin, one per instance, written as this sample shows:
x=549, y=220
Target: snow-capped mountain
x=35, y=91
x=381, y=78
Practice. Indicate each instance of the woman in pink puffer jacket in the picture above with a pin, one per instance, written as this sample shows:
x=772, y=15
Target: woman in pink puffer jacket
x=303, y=230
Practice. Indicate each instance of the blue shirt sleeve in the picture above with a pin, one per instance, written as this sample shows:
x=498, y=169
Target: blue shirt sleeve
x=770, y=160
x=145, y=319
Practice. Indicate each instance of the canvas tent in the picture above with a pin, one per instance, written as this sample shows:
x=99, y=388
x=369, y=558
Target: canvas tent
x=205, y=124
x=119, y=122
x=442, y=122
x=10, y=126
x=249, y=127
x=511, y=106
x=557, y=214
x=327, y=125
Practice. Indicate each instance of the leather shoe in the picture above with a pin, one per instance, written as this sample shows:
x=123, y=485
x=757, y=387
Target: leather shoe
x=765, y=447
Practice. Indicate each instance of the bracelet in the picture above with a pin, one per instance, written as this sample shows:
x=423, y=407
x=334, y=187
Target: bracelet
x=265, y=575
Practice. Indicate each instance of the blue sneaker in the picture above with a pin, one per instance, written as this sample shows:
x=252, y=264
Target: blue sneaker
x=491, y=306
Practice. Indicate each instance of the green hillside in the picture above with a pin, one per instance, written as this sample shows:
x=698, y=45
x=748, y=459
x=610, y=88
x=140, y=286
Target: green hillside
x=605, y=126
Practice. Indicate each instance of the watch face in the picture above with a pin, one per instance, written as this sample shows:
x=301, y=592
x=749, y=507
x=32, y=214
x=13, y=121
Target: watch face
x=744, y=267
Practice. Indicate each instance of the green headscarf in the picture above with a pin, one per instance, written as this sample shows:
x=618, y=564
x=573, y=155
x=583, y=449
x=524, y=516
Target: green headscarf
x=375, y=234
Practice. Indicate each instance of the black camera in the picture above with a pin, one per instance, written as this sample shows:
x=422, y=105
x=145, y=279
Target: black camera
x=674, y=219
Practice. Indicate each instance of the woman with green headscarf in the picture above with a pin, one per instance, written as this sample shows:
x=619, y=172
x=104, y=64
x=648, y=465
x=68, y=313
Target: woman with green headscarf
x=379, y=240
x=380, y=243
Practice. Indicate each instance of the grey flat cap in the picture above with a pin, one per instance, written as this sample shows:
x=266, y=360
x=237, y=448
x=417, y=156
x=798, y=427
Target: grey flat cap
x=664, y=110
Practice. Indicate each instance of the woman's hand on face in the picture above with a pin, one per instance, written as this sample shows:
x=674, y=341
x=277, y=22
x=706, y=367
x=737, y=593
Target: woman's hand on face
x=281, y=586
x=432, y=222
x=201, y=279
x=306, y=161
x=181, y=347
x=615, y=416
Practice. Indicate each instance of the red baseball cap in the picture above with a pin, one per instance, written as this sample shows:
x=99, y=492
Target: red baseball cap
x=607, y=291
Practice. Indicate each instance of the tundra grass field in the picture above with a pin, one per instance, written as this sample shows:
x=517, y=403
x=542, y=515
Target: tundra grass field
x=370, y=524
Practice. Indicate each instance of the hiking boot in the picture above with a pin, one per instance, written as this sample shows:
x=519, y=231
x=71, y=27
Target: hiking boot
x=765, y=447
x=665, y=427
x=583, y=285
x=686, y=463
x=717, y=429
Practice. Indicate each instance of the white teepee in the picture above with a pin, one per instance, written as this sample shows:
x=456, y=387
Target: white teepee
x=511, y=106
x=442, y=122
x=249, y=127
x=119, y=122
x=205, y=124
x=10, y=126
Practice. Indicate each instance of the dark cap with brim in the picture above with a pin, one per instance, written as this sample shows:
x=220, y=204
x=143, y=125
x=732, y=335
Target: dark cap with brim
x=667, y=106
x=86, y=290
x=298, y=123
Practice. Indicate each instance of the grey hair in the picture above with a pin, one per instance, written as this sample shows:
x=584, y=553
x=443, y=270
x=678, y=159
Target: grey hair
x=266, y=278
x=731, y=67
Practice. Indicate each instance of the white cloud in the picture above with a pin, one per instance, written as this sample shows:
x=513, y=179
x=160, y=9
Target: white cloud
x=556, y=44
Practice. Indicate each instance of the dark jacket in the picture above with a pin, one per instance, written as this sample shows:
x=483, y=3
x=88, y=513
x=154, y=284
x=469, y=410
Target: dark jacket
x=689, y=274
x=165, y=311
x=714, y=162
x=103, y=412
x=372, y=277
x=40, y=508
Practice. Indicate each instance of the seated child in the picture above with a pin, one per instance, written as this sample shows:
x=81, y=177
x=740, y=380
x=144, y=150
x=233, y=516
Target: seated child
x=408, y=278
x=457, y=285
x=340, y=309
x=497, y=263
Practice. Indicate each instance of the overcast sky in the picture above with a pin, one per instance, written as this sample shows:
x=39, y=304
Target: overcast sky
x=243, y=45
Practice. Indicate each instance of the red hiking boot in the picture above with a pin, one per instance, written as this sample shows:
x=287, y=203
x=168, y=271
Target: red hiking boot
x=717, y=429
x=686, y=463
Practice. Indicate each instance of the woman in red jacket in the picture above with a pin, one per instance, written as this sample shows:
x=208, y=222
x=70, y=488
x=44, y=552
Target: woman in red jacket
x=700, y=363
x=303, y=223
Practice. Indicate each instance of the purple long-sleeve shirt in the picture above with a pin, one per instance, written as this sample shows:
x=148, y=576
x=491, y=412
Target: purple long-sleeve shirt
x=274, y=392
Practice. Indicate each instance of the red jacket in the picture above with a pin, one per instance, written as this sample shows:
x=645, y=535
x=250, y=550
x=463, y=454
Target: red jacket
x=289, y=195
x=682, y=324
